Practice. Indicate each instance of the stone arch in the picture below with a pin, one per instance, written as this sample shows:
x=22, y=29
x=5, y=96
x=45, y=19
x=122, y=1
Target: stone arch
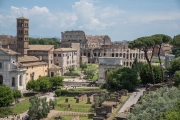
x=13, y=82
x=1, y=79
x=20, y=80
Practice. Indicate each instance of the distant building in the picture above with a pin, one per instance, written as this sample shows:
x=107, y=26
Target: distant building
x=168, y=59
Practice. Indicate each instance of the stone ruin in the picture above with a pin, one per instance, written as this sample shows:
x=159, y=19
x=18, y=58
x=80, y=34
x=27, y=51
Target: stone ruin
x=81, y=97
x=75, y=118
x=90, y=99
x=107, y=108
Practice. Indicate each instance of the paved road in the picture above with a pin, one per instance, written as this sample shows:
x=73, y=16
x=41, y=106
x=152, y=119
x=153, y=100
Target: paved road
x=132, y=99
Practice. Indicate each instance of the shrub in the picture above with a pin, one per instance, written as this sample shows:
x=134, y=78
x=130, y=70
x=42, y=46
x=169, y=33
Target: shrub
x=58, y=92
x=5, y=111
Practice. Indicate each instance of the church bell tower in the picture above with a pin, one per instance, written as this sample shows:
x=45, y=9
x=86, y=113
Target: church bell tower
x=22, y=35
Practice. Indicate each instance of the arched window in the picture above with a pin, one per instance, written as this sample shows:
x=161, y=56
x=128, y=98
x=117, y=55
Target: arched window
x=116, y=54
x=1, y=79
x=94, y=54
x=130, y=64
x=20, y=80
x=13, y=81
x=112, y=54
x=127, y=64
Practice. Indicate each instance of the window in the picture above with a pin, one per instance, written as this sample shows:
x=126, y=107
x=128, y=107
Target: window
x=20, y=80
x=0, y=65
x=54, y=55
x=13, y=82
x=1, y=79
x=59, y=55
x=52, y=74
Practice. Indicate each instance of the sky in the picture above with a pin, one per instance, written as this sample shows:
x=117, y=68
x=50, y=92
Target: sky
x=119, y=19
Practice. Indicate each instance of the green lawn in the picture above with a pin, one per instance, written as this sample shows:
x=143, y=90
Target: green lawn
x=21, y=107
x=156, y=60
x=70, y=117
x=76, y=107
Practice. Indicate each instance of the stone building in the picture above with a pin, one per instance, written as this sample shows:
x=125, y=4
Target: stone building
x=97, y=46
x=12, y=74
x=66, y=58
x=8, y=40
x=34, y=66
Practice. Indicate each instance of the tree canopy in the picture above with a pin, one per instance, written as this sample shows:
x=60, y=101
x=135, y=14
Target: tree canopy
x=155, y=104
x=174, y=65
x=176, y=40
x=122, y=78
x=6, y=96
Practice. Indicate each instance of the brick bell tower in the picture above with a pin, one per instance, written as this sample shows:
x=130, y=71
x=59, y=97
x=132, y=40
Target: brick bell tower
x=22, y=35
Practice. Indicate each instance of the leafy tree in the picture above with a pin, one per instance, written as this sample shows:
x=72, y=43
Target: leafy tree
x=5, y=111
x=176, y=51
x=89, y=72
x=145, y=44
x=56, y=81
x=32, y=85
x=145, y=74
x=6, y=96
x=160, y=39
x=44, y=83
x=122, y=78
x=71, y=68
x=38, y=109
x=98, y=100
x=155, y=104
x=58, y=92
x=176, y=40
x=136, y=66
x=52, y=103
x=174, y=65
x=177, y=78
x=17, y=94
x=83, y=66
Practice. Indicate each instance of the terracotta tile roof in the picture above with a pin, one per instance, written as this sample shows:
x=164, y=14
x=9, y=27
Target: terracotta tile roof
x=65, y=49
x=41, y=47
x=54, y=67
x=9, y=51
x=28, y=59
x=33, y=64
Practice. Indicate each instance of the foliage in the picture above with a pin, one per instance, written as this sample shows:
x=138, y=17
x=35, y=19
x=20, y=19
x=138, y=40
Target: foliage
x=44, y=83
x=17, y=94
x=6, y=96
x=58, y=92
x=71, y=68
x=155, y=103
x=172, y=114
x=174, y=65
x=69, y=92
x=56, y=81
x=38, y=109
x=47, y=41
x=21, y=106
x=98, y=100
x=89, y=72
x=5, y=111
x=122, y=78
x=136, y=66
x=145, y=44
x=176, y=40
x=52, y=103
x=176, y=51
x=83, y=66
x=177, y=78
x=156, y=60
x=32, y=85
x=145, y=74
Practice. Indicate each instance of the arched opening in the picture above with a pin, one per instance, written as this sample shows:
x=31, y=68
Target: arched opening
x=123, y=55
x=84, y=54
x=120, y=54
x=124, y=63
x=94, y=54
x=127, y=64
x=130, y=64
x=13, y=81
x=104, y=54
x=98, y=54
x=20, y=80
x=116, y=54
x=112, y=54
x=1, y=79
x=89, y=55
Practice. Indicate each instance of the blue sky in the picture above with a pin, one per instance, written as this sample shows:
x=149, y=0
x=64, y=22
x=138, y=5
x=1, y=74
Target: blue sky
x=120, y=19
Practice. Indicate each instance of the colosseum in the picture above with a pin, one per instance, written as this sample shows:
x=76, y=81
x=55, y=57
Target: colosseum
x=97, y=46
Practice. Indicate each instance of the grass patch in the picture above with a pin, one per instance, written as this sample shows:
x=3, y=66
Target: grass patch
x=85, y=89
x=64, y=117
x=21, y=106
x=156, y=60
x=76, y=107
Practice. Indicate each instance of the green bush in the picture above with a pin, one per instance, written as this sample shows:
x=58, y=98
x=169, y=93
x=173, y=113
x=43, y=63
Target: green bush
x=58, y=92
x=5, y=111
x=64, y=92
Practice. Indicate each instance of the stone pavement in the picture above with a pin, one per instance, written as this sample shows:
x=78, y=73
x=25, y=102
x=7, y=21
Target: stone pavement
x=132, y=99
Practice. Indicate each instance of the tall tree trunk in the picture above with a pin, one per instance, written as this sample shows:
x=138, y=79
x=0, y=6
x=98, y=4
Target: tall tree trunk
x=150, y=66
x=162, y=74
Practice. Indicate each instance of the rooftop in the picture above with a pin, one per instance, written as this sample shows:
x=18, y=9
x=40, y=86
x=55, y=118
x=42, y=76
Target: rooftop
x=41, y=47
x=33, y=64
x=23, y=18
x=9, y=51
x=65, y=49
x=28, y=59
